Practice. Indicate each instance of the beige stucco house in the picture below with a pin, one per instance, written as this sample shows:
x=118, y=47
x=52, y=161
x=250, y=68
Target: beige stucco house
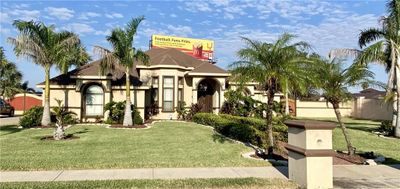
x=172, y=76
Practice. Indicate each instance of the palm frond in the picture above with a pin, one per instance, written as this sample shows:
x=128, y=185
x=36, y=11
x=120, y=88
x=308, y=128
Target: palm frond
x=343, y=53
x=108, y=59
x=369, y=35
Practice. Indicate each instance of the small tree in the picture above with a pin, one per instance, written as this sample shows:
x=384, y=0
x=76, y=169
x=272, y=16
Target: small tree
x=334, y=81
x=123, y=53
x=61, y=113
x=270, y=64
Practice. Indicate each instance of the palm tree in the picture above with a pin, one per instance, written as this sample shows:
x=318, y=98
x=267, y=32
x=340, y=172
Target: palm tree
x=26, y=89
x=10, y=77
x=45, y=47
x=123, y=53
x=334, y=81
x=382, y=45
x=270, y=65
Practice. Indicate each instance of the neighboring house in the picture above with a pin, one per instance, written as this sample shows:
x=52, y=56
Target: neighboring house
x=370, y=104
x=23, y=102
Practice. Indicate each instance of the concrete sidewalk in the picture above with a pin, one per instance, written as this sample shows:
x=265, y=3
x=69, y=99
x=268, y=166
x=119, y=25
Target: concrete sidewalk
x=345, y=176
x=152, y=173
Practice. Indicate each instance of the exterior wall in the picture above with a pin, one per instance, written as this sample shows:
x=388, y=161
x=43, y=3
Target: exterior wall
x=320, y=109
x=30, y=100
x=374, y=109
x=69, y=96
x=257, y=95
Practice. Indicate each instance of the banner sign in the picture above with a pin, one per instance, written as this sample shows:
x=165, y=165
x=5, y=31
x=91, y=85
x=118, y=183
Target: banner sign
x=198, y=48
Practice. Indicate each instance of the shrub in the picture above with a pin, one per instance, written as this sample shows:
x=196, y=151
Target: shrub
x=194, y=109
x=182, y=112
x=32, y=117
x=117, y=111
x=387, y=128
x=245, y=129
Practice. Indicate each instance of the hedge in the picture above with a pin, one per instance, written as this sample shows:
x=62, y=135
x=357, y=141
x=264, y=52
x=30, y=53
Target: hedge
x=245, y=129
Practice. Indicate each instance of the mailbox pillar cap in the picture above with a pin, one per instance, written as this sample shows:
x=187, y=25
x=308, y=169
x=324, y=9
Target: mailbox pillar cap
x=311, y=124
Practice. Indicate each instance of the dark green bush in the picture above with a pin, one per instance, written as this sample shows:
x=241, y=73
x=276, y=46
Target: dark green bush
x=387, y=127
x=117, y=111
x=32, y=117
x=245, y=129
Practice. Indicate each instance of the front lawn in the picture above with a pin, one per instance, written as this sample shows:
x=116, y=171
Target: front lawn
x=364, y=140
x=238, y=183
x=166, y=144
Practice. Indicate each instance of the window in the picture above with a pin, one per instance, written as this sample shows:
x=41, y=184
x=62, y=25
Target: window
x=94, y=101
x=168, y=93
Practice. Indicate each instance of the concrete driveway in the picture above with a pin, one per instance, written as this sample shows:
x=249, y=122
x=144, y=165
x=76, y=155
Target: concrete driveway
x=5, y=120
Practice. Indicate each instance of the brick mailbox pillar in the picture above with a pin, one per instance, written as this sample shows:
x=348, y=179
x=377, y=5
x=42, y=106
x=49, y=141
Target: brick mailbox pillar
x=310, y=153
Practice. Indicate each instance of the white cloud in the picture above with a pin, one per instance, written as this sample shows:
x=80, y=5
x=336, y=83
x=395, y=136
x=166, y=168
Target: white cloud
x=88, y=15
x=60, y=13
x=173, y=15
x=25, y=14
x=79, y=28
x=179, y=30
x=197, y=6
x=106, y=32
x=4, y=31
x=4, y=17
x=114, y=15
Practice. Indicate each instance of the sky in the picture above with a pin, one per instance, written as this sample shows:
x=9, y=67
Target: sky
x=325, y=25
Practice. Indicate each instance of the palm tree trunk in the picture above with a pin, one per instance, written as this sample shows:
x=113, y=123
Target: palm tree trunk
x=351, y=150
x=397, y=126
x=270, y=102
x=286, y=101
x=128, y=112
x=46, y=109
x=397, y=112
x=59, y=133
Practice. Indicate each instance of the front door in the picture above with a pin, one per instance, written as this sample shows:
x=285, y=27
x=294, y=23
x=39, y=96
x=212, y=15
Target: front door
x=205, y=96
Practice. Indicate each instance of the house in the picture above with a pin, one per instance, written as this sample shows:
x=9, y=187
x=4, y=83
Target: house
x=171, y=76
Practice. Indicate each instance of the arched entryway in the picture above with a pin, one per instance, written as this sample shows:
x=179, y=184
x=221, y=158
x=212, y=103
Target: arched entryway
x=93, y=101
x=207, y=94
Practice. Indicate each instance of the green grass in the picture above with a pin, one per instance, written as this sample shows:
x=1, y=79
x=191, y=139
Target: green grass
x=251, y=183
x=364, y=140
x=166, y=144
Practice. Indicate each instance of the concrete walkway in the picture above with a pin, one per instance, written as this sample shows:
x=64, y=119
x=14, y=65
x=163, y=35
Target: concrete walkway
x=152, y=173
x=345, y=176
x=4, y=120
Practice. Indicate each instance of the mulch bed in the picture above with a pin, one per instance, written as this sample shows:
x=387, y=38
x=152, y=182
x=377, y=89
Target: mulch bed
x=339, y=159
x=128, y=127
x=344, y=159
x=67, y=137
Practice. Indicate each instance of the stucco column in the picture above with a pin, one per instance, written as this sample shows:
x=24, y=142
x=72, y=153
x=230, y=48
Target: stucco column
x=310, y=153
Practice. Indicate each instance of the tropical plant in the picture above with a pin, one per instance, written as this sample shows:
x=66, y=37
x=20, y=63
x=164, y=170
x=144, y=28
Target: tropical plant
x=335, y=80
x=10, y=77
x=382, y=45
x=47, y=47
x=60, y=113
x=32, y=117
x=123, y=53
x=270, y=64
x=116, y=113
x=181, y=110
